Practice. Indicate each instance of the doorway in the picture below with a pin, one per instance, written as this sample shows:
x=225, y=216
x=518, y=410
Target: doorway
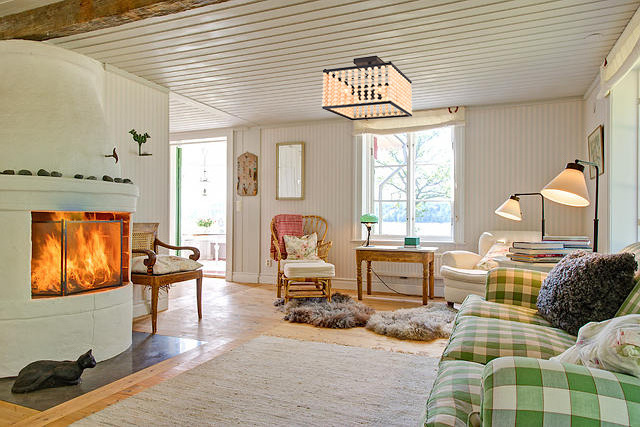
x=201, y=200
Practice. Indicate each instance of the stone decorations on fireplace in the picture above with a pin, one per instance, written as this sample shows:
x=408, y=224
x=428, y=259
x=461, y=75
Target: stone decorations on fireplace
x=57, y=303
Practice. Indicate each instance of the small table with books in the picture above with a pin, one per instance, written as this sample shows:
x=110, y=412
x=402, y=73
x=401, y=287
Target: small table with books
x=544, y=255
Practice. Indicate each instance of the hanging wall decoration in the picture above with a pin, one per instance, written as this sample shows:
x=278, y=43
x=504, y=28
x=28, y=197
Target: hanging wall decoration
x=247, y=184
x=140, y=139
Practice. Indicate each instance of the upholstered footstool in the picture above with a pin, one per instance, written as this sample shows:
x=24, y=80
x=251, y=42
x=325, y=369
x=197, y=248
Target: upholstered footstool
x=308, y=280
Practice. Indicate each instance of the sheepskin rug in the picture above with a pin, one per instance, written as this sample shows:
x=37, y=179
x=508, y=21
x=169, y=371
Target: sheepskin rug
x=341, y=313
x=425, y=323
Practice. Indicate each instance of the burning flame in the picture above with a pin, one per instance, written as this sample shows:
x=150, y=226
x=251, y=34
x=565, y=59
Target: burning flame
x=92, y=256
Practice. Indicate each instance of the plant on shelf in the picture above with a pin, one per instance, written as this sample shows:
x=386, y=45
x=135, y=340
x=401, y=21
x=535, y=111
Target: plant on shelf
x=140, y=139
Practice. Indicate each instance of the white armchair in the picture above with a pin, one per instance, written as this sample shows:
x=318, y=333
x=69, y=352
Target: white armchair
x=459, y=272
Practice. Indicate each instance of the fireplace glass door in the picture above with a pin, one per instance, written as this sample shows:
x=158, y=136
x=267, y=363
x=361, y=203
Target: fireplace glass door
x=72, y=256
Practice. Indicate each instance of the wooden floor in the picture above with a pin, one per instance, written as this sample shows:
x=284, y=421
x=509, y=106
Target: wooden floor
x=232, y=315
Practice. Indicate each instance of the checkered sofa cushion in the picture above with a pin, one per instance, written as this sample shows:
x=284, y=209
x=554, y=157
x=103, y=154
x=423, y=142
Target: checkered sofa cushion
x=632, y=304
x=480, y=339
x=474, y=305
x=514, y=286
x=520, y=391
x=455, y=394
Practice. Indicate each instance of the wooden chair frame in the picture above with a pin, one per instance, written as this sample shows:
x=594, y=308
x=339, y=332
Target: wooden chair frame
x=157, y=281
x=311, y=224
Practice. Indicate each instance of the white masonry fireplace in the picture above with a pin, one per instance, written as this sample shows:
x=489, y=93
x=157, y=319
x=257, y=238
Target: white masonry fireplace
x=65, y=240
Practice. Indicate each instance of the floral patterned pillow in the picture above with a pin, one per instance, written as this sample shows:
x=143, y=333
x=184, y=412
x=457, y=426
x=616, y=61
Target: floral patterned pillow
x=305, y=247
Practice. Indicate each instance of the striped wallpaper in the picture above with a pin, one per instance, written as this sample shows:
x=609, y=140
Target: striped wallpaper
x=508, y=148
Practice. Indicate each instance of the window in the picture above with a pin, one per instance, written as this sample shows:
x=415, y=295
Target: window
x=409, y=184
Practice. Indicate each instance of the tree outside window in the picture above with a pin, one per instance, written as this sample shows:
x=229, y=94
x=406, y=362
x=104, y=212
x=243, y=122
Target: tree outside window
x=411, y=186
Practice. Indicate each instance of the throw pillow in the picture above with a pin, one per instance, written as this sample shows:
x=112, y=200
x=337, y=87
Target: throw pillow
x=488, y=261
x=585, y=287
x=305, y=247
x=613, y=345
x=165, y=264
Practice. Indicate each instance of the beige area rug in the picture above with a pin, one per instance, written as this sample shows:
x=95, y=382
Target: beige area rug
x=279, y=381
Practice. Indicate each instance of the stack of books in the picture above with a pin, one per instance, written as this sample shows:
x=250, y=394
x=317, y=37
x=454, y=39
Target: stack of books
x=551, y=250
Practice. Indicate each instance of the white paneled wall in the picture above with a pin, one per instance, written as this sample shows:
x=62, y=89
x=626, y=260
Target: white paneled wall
x=508, y=148
x=516, y=149
x=132, y=103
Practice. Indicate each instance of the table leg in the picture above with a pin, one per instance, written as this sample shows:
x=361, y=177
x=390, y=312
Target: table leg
x=431, y=290
x=368, y=277
x=359, y=277
x=425, y=278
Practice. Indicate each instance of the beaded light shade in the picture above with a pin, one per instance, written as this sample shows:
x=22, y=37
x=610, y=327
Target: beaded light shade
x=373, y=89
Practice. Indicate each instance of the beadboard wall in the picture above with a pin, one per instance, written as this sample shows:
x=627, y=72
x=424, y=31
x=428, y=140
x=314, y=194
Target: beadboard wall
x=508, y=148
x=134, y=103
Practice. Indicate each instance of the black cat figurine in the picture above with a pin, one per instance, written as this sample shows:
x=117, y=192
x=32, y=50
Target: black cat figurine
x=50, y=373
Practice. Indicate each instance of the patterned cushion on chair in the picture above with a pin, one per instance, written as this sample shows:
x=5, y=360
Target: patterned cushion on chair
x=514, y=286
x=480, y=339
x=631, y=305
x=455, y=394
x=475, y=305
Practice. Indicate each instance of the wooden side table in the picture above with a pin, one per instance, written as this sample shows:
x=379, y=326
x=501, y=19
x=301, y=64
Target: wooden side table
x=423, y=255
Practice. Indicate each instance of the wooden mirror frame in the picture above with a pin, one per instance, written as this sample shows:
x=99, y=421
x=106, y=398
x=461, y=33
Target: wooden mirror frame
x=302, y=173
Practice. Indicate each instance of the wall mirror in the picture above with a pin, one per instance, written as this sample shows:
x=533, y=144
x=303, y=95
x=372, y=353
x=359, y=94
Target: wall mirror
x=290, y=171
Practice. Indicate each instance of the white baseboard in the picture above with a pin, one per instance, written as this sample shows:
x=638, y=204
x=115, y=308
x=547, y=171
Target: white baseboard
x=242, y=277
x=410, y=288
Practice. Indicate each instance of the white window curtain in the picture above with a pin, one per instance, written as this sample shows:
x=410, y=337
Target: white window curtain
x=420, y=120
x=623, y=56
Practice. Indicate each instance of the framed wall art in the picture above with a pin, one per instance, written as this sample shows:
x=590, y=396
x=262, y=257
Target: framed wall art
x=247, y=183
x=595, y=141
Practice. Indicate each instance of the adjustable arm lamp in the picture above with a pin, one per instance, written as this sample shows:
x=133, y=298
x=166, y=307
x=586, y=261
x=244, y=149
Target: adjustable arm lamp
x=511, y=209
x=570, y=188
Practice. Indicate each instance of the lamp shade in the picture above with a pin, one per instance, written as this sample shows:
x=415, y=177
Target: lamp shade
x=368, y=219
x=569, y=187
x=510, y=209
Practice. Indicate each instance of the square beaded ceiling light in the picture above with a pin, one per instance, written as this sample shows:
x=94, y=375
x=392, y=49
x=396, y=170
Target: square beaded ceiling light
x=373, y=89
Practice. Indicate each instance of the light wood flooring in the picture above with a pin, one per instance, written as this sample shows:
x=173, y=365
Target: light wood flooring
x=232, y=315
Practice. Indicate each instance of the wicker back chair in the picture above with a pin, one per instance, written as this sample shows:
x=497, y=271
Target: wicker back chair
x=311, y=224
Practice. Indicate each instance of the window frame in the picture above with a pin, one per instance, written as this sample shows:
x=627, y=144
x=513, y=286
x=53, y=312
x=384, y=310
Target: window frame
x=365, y=189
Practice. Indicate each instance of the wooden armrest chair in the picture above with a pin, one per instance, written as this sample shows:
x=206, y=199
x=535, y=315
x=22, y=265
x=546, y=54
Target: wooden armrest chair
x=145, y=241
x=311, y=224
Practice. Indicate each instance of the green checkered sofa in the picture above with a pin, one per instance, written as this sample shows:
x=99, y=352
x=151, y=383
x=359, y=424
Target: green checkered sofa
x=495, y=369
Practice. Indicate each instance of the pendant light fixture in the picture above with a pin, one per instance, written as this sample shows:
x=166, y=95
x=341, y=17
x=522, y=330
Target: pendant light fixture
x=373, y=89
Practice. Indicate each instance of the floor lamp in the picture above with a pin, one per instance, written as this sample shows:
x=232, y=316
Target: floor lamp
x=510, y=209
x=570, y=188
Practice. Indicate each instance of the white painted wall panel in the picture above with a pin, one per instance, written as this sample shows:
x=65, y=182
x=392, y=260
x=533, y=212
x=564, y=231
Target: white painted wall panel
x=131, y=104
x=508, y=148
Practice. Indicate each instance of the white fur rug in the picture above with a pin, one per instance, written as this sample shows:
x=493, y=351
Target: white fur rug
x=425, y=323
x=272, y=381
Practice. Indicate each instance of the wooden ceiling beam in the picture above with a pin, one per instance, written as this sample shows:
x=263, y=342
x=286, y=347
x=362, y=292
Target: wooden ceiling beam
x=70, y=17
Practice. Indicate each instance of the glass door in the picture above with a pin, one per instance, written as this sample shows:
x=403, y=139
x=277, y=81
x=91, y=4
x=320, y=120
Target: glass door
x=201, y=201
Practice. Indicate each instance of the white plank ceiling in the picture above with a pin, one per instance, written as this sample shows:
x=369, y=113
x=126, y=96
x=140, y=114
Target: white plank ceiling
x=261, y=62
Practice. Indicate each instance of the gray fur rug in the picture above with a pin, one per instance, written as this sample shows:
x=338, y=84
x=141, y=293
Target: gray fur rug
x=425, y=323
x=341, y=313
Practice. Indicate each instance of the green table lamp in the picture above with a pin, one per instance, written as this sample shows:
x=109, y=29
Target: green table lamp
x=368, y=220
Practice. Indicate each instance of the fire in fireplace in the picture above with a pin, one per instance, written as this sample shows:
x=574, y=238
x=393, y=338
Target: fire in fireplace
x=74, y=252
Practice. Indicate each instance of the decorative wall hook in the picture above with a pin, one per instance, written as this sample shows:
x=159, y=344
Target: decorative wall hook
x=453, y=109
x=114, y=155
